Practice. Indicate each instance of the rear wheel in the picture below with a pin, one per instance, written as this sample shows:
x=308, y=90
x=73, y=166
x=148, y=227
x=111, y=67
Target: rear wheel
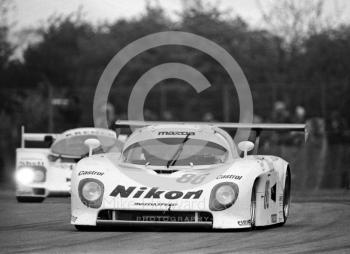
x=30, y=199
x=286, y=196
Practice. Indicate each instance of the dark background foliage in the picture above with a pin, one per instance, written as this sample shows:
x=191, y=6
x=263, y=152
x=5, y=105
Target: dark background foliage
x=71, y=54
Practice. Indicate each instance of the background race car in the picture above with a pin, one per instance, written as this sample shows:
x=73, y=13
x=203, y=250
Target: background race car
x=183, y=174
x=44, y=162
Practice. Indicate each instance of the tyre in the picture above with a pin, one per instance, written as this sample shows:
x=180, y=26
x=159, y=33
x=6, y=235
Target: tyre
x=30, y=199
x=286, y=196
x=85, y=228
x=253, y=206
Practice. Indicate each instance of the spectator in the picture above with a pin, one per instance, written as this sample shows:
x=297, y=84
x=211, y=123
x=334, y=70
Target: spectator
x=335, y=128
x=167, y=116
x=280, y=114
x=149, y=115
x=299, y=115
x=208, y=117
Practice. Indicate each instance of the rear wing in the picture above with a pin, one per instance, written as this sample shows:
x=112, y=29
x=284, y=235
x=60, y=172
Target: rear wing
x=257, y=127
x=49, y=137
x=251, y=126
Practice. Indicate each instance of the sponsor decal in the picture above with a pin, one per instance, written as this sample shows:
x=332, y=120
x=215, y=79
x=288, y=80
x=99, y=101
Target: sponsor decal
x=234, y=177
x=274, y=218
x=176, y=133
x=244, y=222
x=73, y=218
x=154, y=193
x=155, y=204
x=89, y=132
x=172, y=218
x=95, y=173
x=30, y=163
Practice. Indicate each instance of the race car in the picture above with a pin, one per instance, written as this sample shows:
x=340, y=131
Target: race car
x=44, y=162
x=189, y=174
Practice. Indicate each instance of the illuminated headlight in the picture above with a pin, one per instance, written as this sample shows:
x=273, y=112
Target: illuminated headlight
x=223, y=195
x=25, y=175
x=28, y=175
x=91, y=192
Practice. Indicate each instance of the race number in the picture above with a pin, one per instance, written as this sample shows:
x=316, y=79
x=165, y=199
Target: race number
x=191, y=178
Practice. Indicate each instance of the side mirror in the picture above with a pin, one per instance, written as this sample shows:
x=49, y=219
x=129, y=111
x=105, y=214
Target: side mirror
x=92, y=144
x=246, y=146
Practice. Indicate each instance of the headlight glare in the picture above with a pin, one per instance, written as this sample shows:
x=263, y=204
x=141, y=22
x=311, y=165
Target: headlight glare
x=25, y=175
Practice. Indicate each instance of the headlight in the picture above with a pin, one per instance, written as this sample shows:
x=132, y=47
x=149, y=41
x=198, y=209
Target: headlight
x=39, y=176
x=25, y=175
x=223, y=195
x=91, y=192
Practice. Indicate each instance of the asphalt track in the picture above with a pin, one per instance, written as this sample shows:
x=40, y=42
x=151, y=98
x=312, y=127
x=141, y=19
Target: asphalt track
x=319, y=223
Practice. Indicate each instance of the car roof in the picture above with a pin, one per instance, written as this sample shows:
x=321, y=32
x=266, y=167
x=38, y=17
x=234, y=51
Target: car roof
x=71, y=143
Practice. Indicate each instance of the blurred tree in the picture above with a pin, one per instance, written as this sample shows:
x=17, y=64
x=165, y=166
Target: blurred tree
x=258, y=52
x=296, y=20
x=6, y=48
x=54, y=63
x=54, y=57
x=72, y=54
x=326, y=67
x=7, y=101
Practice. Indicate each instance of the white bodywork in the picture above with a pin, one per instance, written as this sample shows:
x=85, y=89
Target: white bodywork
x=57, y=174
x=56, y=162
x=126, y=200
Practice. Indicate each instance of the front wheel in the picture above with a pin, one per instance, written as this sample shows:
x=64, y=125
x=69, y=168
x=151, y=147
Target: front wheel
x=30, y=199
x=253, y=207
x=85, y=228
x=286, y=197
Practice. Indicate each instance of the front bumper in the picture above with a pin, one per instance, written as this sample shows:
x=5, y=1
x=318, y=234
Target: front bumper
x=153, y=217
x=41, y=190
x=36, y=190
x=226, y=219
x=150, y=223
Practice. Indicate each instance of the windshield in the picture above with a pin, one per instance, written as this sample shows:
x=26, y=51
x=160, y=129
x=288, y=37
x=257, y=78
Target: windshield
x=175, y=152
x=62, y=159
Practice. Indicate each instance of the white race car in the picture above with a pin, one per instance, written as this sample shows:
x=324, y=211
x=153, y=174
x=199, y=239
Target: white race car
x=182, y=174
x=45, y=161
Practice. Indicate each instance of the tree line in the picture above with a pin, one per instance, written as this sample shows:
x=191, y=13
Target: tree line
x=71, y=53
